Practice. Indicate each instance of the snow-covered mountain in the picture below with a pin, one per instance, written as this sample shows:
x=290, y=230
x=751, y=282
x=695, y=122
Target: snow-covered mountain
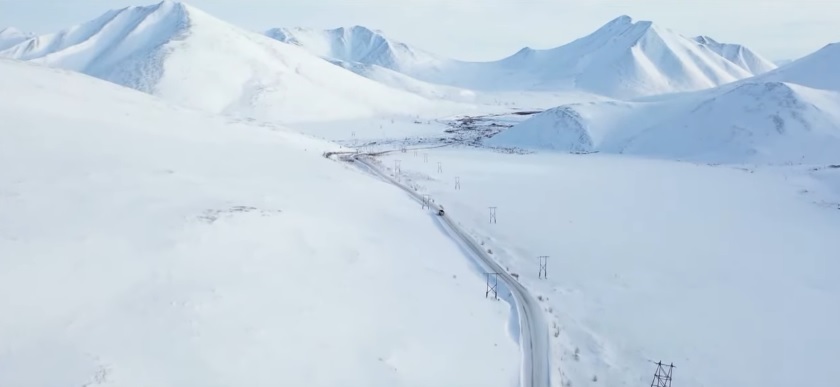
x=11, y=36
x=191, y=58
x=626, y=59
x=357, y=44
x=764, y=122
x=819, y=70
x=371, y=54
x=738, y=54
x=621, y=59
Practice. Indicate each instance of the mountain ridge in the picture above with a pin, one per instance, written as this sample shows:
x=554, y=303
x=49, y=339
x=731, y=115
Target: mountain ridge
x=623, y=58
x=756, y=121
x=188, y=57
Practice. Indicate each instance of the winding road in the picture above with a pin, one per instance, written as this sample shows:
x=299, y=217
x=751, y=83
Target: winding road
x=533, y=338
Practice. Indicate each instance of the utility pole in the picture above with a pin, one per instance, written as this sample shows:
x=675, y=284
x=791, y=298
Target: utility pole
x=457, y=182
x=493, y=285
x=662, y=378
x=543, y=266
x=492, y=214
x=397, y=170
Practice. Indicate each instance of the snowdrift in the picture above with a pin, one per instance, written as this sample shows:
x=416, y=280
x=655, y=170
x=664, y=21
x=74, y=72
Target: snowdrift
x=144, y=244
x=621, y=59
x=764, y=122
x=188, y=57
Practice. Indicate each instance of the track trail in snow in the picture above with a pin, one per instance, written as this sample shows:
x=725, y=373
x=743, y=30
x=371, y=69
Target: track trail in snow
x=533, y=337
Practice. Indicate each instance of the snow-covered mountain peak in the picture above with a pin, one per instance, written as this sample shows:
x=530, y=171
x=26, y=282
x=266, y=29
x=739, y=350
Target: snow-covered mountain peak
x=354, y=44
x=194, y=59
x=817, y=70
x=11, y=36
x=621, y=21
x=120, y=33
x=10, y=31
x=738, y=54
x=622, y=26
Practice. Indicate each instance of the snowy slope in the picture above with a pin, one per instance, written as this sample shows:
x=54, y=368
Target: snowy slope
x=144, y=244
x=621, y=59
x=188, y=57
x=356, y=44
x=729, y=274
x=738, y=54
x=752, y=122
x=11, y=36
x=626, y=58
x=401, y=81
x=818, y=70
x=372, y=55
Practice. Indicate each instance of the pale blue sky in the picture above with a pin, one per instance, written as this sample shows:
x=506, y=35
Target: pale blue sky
x=491, y=29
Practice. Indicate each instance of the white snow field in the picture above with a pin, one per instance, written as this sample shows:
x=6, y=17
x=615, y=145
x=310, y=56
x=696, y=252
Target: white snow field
x=188, y=57
x=621, y=59
x=762, y=122
x=143, y=244
x=728, y=273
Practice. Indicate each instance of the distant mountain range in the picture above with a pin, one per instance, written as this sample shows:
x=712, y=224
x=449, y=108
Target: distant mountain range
x=621, y=59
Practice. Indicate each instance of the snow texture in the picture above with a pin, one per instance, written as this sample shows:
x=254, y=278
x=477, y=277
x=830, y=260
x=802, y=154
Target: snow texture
x=143, y=244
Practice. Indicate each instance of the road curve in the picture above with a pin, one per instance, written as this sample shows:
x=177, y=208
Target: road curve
x=533, y=338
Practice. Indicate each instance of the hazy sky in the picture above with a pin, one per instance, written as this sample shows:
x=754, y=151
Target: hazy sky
x=491, y=29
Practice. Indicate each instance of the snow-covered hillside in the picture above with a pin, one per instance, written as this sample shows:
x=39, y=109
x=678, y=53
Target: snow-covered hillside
x=819, y=70
x=188, y=57
x=730, y=274
x=357, y=44
x=621, y=59
x=625, y=59
x=768, y=122
x=11, y=36
x=738, y=54
x=401, y=81
x=143, y=244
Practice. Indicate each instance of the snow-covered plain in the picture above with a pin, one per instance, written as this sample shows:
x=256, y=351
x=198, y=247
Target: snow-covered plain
x=729, y=273
x=143, y=244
